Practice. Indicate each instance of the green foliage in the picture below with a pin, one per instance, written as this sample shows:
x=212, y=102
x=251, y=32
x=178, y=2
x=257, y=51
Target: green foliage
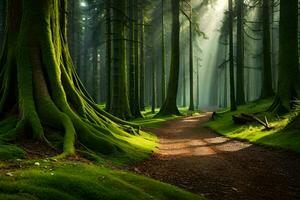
x=53, y=180
x=278, y=137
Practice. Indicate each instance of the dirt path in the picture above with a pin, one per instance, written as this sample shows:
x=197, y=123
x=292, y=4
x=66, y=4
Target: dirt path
x=195, y=158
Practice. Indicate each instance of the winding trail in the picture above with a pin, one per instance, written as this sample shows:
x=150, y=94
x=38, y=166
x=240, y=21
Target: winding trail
x=198, y=160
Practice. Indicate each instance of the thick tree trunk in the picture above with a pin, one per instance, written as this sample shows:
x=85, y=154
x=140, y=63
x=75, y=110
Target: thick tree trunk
x=240, y=89
x=267, y=82
x=288, y=80
x=233, y=105
x=169, y=106
x=119, y=104
x=40, y=87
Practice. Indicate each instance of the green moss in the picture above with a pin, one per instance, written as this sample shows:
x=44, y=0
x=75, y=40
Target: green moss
x=81, y=181
x=8, y=152
x=150, y=121
x=277, y=137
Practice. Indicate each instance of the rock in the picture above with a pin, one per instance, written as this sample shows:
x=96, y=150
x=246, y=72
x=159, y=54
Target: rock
x=37, y=164
x=9, y=174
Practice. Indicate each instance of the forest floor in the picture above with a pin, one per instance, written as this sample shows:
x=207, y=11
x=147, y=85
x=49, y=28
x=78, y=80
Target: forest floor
x=203, y=162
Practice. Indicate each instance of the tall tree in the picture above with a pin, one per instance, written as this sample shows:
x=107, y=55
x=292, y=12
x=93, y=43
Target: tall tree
x=142, y=60
x=108, y=53
x=119, y=95
x=267, y=82
x=240, y=88
x=288, y=80
x=191, y=54
x=169, y=106
x=233, y=105
x=163, y=55
x=40, y=87
x=131, y=47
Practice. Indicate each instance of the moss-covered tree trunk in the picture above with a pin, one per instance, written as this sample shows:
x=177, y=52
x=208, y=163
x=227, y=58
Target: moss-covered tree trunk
x=240, y=87
x=169, y=106
x=39, y=86
x=267, y=82
x=288, y=80
x=119, y=90
x=96, y=74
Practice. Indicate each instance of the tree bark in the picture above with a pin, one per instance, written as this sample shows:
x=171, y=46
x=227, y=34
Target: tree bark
x=288, y=80
x=169, y=106
x=119, y=104
x=233, y=105
x=191, y=108
x=108, y=54
x=267, y=82
x=163, y=55
x=240, y=92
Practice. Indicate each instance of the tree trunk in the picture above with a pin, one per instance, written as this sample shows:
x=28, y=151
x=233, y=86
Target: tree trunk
x=119, y=104
x=153, y=105
x=288, y=80
x=233, y=105
x=169, y=106
x=96, y=75
x=163, y=56
x=136, y=109
x=191, y=108
x=108, y=54
x=240, y=92
x=131, y=46
x=142, y=63
x=40, y=87
x=267, y=84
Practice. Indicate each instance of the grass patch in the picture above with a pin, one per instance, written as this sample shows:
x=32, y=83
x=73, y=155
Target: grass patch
x=65, y=180
x=277, y=137
x=149, y=122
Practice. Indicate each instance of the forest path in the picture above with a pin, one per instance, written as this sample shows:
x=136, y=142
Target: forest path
x=198, y=160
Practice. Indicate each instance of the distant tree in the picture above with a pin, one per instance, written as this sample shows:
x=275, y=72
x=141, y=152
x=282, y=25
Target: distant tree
x=240, y=88
x=233, y=105
x=288, y=80
x=169, y=106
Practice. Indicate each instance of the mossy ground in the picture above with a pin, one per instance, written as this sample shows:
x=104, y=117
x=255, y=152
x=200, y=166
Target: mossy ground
x=22, y=177
x=72, y=180
x=278, y=137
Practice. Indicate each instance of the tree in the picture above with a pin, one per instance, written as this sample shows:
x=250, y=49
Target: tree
x=163, y=55
x=267, y=88
x=191, y=54
x=40, y=89
x=240, y=89
x=169, y=106
x=119, y=105
x=108, y=53
x=233, y=105
x=288, y=80
x=142, y=61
